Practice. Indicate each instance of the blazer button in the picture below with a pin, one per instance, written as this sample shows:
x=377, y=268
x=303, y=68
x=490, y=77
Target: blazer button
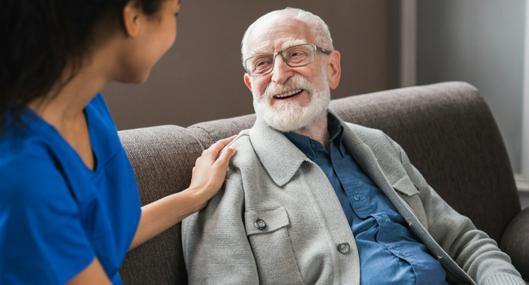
x=260, y=224
x=343, y=248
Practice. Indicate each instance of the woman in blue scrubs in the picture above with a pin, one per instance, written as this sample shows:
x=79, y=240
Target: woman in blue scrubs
x=69, y=207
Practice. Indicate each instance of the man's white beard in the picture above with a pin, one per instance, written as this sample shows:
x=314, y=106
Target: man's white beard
x=290, y=116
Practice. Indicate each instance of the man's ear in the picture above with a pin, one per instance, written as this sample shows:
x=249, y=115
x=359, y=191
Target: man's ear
x=247, y=81
x=132, y=17
x=334, y=69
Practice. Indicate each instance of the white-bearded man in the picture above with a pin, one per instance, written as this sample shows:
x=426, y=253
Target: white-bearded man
x=310, y=199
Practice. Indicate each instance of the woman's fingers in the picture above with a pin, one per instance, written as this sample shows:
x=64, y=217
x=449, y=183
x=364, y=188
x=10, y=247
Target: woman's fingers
x=225, y=157
x=212, y=164
x=217, y=147
x=227, y=140
x=211, y=168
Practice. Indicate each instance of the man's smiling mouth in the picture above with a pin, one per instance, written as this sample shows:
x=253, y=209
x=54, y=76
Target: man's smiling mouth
x=288, y=94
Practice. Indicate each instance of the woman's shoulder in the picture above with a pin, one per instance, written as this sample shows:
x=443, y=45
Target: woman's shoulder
x=21, y=144
x=28, y=178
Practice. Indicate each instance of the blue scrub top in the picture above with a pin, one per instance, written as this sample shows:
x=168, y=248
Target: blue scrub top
x=57, y=215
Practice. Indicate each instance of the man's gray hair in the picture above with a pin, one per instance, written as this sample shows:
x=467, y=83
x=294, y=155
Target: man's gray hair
x=319, y=28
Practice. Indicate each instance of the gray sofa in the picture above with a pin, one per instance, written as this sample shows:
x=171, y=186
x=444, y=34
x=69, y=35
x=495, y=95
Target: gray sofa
x=447, y=130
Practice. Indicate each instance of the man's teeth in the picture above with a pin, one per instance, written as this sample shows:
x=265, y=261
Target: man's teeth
x=287, y=94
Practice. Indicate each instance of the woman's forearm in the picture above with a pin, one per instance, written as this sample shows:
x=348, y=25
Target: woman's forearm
x=162, y=214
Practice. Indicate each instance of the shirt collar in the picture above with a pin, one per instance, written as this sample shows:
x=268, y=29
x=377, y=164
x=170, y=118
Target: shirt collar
x=282, y=159
x=305, y=143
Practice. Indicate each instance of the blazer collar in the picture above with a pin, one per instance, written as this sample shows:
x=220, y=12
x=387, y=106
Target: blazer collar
x=282, y=159
x=279, y=156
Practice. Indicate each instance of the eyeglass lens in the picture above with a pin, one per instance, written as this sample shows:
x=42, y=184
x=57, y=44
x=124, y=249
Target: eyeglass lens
x=293, y=56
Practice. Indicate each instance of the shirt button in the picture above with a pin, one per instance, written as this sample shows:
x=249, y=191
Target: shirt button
x=344, y=248
x=260, y=224
x=356, y=197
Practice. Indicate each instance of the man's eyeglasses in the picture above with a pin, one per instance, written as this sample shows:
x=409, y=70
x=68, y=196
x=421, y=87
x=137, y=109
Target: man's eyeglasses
x=293, y=56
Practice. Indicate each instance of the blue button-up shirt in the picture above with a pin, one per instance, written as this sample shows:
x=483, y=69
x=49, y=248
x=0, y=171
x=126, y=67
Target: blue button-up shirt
x=389, y=253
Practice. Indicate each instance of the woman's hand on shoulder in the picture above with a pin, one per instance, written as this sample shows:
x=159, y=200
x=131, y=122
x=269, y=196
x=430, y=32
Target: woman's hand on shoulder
x=208, y=176
x=210, y=170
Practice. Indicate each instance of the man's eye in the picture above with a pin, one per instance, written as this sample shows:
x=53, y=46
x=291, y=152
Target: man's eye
x=296, y=55
x=262, y=64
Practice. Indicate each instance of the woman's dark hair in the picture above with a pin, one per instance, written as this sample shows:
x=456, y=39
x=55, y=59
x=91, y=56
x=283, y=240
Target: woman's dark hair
x=42, y=37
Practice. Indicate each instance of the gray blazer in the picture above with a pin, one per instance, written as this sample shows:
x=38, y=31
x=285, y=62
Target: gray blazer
x=278, y=221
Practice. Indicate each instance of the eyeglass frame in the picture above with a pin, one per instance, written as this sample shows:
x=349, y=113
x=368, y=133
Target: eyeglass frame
x=315, y=47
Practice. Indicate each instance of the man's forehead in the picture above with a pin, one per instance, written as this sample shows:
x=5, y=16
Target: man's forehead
x=276, y=33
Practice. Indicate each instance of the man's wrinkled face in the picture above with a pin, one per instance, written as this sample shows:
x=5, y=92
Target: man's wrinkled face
x=288, y=98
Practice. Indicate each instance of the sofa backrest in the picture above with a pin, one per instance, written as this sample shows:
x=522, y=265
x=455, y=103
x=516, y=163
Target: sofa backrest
x=446, y=129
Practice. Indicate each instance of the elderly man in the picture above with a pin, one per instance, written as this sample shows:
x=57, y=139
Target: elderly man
x=310, y=199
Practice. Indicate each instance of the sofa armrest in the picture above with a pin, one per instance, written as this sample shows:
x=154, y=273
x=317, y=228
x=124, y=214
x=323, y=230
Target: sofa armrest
x=515, y=242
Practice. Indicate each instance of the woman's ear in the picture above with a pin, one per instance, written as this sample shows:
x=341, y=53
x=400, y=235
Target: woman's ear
x=132, y=17
x=334, y=69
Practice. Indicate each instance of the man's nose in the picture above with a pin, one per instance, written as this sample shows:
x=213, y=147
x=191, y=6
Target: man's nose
x=281, y=72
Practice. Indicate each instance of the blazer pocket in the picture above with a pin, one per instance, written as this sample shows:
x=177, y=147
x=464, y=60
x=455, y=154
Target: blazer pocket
x=408, y=192
x=405, y=186
x=268, y=235
x=265, y=221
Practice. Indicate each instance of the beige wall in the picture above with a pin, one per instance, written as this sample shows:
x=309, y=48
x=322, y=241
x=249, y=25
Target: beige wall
x=201, y=76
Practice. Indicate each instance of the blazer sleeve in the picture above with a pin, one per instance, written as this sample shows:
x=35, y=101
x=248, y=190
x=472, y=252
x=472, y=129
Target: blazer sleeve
x=472, y=249
x=215, y=244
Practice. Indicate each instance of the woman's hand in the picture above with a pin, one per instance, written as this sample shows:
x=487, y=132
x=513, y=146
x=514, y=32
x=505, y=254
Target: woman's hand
x=210, y=170
x=208, y=175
